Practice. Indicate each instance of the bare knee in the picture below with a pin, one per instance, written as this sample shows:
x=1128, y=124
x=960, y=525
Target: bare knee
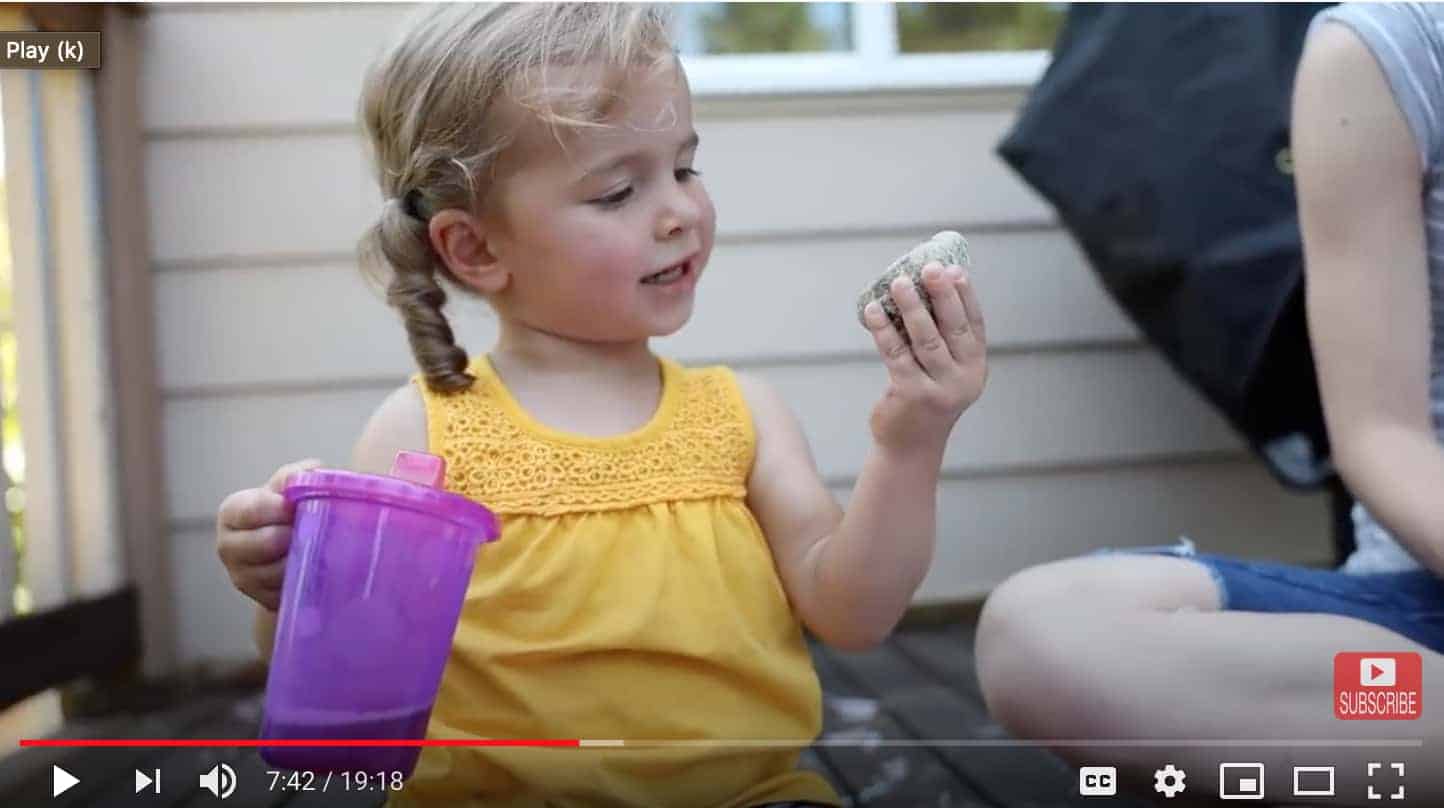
x=1028, y=650
x=1014, y=651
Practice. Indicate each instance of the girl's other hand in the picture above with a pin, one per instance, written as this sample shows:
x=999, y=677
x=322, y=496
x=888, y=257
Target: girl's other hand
x=933, y=380
x=253, y=534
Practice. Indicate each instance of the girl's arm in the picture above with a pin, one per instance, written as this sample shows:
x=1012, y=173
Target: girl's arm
x=848, y=587
x=1360, y=207
x=850, y=576
x=398, y=424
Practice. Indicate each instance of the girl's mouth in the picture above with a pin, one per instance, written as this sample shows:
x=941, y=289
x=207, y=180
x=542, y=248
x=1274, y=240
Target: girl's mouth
x=670, y=274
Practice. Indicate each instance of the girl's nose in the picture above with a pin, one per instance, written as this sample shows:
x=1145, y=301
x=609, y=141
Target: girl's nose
x=680, y=214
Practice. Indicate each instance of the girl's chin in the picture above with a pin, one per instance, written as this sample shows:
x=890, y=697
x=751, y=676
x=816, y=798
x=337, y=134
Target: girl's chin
x=671, y=325
x=667, y=332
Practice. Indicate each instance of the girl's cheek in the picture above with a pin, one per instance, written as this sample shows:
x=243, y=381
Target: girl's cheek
x=709, y=226
x=709, y=211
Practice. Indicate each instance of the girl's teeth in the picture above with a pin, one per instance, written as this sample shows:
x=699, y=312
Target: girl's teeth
x=666, y=275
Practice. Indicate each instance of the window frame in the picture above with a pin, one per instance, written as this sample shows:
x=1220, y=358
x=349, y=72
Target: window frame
x=874, y=64
x=60, y=310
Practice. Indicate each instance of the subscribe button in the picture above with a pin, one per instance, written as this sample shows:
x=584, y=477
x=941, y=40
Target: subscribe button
x=1378, y=686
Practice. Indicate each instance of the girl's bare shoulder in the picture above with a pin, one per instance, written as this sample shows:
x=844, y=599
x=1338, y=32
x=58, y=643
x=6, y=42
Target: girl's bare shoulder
x=397, y=424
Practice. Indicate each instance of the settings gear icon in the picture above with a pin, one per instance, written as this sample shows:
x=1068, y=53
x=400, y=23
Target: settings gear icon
x=1168, y=781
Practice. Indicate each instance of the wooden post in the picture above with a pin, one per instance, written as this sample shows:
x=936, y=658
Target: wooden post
x=138, y=403
x=81, y=318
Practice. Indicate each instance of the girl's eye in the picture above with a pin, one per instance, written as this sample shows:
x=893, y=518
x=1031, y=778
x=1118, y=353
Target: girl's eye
x=616, y=198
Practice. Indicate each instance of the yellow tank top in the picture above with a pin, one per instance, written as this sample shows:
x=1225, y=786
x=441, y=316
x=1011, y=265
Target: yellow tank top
x=631, y=596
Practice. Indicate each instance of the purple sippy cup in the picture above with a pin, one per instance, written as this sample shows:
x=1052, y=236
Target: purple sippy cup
x=375, y=579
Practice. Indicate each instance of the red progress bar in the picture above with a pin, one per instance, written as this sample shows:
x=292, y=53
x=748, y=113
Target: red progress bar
x=245, y=742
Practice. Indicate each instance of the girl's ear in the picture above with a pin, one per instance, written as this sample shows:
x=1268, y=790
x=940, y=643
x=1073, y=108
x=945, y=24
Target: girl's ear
x=462, y=241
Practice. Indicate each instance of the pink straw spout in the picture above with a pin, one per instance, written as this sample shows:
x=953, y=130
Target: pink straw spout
x=419, y=467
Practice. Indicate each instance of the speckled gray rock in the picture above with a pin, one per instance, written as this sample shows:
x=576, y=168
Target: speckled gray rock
x=947, y=248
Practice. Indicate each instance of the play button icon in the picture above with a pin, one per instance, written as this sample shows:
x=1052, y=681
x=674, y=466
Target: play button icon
x=62, y=781
x=1377, y=672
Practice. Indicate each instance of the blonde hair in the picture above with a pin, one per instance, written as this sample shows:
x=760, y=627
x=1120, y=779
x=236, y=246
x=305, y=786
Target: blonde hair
x=434, y=126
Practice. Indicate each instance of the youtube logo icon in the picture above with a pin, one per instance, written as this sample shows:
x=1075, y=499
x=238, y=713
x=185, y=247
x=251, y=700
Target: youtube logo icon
x=1378, y=686
x=1378, y=672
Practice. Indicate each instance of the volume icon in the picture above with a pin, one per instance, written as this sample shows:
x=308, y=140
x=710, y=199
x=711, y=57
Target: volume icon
x=220, y=781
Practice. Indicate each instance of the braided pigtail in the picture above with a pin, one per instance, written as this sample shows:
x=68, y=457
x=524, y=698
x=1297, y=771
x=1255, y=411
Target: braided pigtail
x=400, y=241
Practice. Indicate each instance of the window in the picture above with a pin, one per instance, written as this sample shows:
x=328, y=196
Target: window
x=953, y=27
x=14, y=597
x=71, y=543
x=740, y=48
x=723, y=28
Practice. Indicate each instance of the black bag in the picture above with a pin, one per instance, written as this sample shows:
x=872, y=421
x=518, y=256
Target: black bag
x=1160, y=133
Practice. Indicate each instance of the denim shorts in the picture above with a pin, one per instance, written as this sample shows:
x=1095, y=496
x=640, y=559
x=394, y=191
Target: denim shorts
x=1407, y=603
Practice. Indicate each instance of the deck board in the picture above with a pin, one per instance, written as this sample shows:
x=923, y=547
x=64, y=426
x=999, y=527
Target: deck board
x=897, y=726
x=925, y=707
x=855, y=726
x=945, y=653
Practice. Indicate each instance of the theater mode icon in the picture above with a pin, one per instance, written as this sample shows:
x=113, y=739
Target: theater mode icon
x=1314, y=781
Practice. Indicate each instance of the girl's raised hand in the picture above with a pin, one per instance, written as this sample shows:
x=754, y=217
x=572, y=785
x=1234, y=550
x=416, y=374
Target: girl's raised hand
x=933, y=380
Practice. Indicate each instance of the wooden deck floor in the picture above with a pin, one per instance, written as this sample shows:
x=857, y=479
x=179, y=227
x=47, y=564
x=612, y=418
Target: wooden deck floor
x=918, y=688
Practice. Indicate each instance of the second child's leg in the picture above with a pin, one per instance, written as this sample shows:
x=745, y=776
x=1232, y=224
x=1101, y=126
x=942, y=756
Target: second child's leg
x=1133, y=647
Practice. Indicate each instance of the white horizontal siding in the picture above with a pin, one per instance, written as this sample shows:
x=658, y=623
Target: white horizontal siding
x=272, y=348
x=223, y=66
x=989, y=528
x=797, y=299
x=214, y=619
x=232, y=198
